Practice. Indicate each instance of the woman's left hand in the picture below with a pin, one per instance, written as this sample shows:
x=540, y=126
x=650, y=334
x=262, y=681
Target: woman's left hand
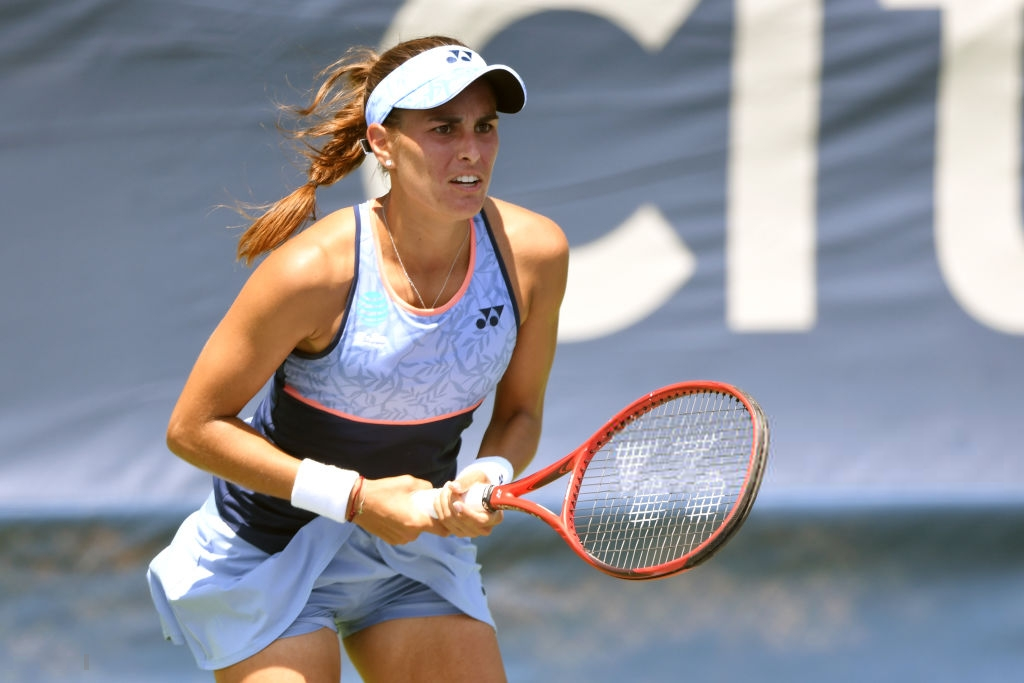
x=460, y=517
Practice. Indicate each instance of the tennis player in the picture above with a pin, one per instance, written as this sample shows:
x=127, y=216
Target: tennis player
x=381, y=328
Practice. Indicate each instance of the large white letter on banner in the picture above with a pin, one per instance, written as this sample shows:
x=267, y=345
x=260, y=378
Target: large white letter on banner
x=771, y=238
x=979, y=234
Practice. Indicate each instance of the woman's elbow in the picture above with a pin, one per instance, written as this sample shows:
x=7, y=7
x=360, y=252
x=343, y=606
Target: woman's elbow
x=180, y=436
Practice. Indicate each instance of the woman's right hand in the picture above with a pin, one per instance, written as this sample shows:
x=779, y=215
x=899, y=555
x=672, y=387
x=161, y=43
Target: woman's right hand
x=389, y=513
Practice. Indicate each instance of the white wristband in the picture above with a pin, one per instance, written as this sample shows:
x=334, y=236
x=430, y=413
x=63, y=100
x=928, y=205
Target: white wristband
x=323, y=489
x=498, y=469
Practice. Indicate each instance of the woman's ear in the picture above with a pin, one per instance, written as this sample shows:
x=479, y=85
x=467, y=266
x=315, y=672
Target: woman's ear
x=379, y=143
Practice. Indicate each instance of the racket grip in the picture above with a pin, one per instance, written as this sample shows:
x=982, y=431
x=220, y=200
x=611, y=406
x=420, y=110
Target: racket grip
x=474, y=499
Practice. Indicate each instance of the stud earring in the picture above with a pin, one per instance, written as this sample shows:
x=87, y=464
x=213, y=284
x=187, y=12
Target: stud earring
x=388, y=163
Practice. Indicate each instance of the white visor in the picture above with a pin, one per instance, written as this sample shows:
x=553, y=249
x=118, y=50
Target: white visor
x=436, y=76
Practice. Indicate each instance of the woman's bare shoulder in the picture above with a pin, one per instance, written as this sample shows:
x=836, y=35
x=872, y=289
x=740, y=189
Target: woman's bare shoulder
x=322, y=255
x=526, y=230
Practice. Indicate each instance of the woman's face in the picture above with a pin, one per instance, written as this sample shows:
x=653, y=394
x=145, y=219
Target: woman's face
x=444, y=157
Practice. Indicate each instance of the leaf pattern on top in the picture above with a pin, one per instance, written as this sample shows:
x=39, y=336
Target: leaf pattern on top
x=395, y=365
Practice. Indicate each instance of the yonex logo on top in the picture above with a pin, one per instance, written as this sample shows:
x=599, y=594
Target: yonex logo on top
x=460, y=56
x=489, y=316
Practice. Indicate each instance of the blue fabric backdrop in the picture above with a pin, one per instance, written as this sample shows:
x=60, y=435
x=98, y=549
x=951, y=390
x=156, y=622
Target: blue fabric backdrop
x=775, y=224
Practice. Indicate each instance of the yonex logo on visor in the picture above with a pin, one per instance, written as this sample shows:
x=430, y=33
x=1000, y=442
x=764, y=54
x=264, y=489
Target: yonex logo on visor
x=436, y=76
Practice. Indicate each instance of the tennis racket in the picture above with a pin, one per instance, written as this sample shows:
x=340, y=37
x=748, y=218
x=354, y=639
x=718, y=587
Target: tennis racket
x=658, y=489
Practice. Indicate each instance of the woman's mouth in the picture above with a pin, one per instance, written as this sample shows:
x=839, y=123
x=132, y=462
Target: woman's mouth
x=466, y=180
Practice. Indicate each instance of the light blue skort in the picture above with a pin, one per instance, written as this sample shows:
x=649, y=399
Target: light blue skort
x=227, y=600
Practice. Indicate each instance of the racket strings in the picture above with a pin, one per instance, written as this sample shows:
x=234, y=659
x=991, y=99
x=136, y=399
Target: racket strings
x=666, y=483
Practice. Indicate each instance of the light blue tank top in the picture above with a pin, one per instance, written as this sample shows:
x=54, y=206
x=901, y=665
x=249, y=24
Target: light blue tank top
x=396, y=364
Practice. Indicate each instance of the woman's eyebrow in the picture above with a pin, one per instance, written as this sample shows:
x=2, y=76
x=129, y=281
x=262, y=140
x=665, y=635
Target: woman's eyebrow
x=451, y=118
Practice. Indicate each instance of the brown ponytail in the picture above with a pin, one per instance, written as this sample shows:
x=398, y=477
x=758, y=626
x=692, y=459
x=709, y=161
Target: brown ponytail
x=335, y=114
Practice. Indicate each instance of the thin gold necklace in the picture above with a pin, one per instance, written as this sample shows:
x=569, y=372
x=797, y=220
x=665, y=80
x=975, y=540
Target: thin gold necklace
x=408, y=278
